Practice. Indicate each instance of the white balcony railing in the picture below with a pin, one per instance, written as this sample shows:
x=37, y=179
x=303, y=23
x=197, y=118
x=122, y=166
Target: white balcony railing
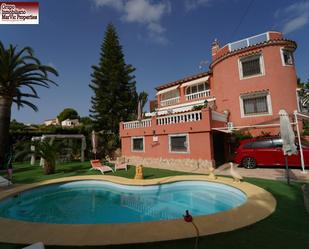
x=171, y=101
x=198, y=95
x=137, y=124
x=250, y=41
x=180, y=118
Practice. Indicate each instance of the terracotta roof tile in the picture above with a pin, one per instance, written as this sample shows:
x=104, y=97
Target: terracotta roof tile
x=188, y=78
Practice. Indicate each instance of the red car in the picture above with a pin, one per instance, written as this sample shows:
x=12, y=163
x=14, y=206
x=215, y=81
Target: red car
x=267, y=152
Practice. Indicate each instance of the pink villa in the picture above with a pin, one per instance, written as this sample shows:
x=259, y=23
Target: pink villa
x=248, y=82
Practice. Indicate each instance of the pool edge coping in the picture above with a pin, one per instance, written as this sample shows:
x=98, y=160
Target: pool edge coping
x=259, y=205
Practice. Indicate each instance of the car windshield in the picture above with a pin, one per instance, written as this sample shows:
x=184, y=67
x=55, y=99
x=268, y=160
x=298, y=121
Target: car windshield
x=278, y=142
x=262, y=144
x=266, y=143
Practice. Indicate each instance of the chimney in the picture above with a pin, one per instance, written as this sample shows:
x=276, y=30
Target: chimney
x=215, y=48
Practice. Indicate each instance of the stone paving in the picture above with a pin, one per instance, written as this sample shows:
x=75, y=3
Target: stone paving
x=266, y=173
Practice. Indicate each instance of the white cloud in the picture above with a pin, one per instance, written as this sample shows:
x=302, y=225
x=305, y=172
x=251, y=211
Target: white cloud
x=193, y=4
x=295, y=24
x=145, y=12
x=294, y=16
x=116, y=4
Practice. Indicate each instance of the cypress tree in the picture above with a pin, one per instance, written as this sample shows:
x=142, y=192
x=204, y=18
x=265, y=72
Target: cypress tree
x=113, y=83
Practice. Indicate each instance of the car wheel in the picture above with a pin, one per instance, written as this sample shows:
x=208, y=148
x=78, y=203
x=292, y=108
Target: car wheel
x=248, y=162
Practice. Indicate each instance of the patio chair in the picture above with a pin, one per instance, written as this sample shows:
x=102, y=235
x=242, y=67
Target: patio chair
x=121, y=164
x=96, y=164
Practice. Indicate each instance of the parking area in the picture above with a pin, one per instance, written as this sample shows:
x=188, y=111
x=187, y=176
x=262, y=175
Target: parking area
x=266, y=173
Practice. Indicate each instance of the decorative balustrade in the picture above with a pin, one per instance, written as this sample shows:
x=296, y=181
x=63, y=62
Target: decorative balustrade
x=171, y=101
x=166, y=120
x=198, y=95
x=137, y=124
x=180, y=118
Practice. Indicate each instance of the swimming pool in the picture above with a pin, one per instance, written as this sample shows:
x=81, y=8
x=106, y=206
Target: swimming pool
x=103, y=202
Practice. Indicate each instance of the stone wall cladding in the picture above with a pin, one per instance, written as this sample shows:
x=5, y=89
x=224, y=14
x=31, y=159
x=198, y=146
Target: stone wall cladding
x=186, y=165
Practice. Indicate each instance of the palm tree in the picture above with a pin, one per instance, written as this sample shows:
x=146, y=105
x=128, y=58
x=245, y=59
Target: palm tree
x=48, y=152
x=142, y=99
x=19, y=70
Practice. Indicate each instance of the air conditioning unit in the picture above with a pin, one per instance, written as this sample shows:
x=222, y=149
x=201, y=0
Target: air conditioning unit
x=230, y=125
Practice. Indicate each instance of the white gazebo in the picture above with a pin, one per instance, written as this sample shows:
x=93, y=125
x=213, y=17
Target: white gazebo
x=61, y=136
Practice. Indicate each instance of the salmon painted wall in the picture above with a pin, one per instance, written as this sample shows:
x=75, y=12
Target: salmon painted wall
x=200, y=147
x=279, y=80
x=200, y=143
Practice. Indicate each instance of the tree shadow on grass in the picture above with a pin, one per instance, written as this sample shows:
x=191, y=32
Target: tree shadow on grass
x=149, y=176
x=24, y=169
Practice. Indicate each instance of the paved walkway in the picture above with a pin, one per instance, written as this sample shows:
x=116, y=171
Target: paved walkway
x=266, y=173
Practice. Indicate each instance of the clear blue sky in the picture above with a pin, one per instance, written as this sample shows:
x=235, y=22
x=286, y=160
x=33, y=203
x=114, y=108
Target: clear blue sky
x=165, y=40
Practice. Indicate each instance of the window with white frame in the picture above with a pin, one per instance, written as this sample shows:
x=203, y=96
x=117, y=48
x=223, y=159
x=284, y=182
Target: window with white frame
x=287, y=57
x=255, y=104
x=137, y=144
x=179, y=143
x=197, y=88
x=170, y=95
x=251, y=66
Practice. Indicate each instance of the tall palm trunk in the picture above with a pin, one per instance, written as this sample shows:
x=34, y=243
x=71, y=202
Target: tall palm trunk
x=20, y=73
x=5, y=118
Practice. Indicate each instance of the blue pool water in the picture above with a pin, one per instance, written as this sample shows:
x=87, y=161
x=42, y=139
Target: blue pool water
x=94, y=202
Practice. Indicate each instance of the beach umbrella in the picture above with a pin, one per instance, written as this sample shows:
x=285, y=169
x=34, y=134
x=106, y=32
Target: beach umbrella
x=288, y=138
x=94, y=143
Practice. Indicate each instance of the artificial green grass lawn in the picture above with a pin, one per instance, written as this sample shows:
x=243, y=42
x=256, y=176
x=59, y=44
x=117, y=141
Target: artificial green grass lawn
x=25, y=173
x=287, y=228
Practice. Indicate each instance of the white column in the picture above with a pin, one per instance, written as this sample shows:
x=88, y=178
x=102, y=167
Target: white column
x=32, y=161
x=82, y=152
x=42, y=159
x=299, y=142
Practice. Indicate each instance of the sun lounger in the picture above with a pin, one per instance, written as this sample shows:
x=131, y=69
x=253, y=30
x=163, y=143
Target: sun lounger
x=4, y=182
x=38, y=245
x=96, y=164
x=121, y=164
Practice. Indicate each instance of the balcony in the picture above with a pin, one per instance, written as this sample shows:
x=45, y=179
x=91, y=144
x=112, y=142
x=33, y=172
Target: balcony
x=168, y=102
x=180, y=118
x=165, y=120
x=198, y=95
x=137, y=124
x=176, y=123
